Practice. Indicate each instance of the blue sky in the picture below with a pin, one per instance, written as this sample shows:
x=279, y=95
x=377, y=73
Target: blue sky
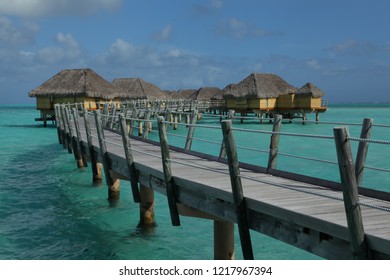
x=342, y=46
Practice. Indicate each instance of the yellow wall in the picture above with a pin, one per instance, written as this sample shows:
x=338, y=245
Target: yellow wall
x=251, y=103
x=43, y=103
x=307, y=102
x=286, y=101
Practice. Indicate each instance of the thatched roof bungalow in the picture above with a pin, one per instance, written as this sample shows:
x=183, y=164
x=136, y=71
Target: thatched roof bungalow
x=207, y=94
x=137, y=88
x=309, y=97
x=74, y=85
x=256, y=93
x=183, y=94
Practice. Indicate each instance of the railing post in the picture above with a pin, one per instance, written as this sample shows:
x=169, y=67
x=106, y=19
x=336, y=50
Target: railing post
x=81, y=162
x=113, y=185
x=112, y=116
x=146, y=123
x=68, y=130
x=362, y=150
x=60, y=119
x=65, y=141
x=58, y=123
x=238, y=195
x=274, y=144
x=191, y=129
x=129, y=159
x=350, y=193
x=166, y=162
x=96, y=167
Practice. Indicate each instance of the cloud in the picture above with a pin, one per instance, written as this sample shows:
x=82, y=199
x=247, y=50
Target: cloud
x=16, y=34
x=209, y=8
x=169, y=68
x=237, y=29
x=66, y=51
x=164, y=35
x=50, y=8
x=355, y=47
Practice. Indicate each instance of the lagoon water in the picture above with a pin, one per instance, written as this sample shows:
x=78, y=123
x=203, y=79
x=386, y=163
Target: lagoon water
x=49, y=209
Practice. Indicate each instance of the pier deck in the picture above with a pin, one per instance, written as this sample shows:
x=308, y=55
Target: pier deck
x=304, y=213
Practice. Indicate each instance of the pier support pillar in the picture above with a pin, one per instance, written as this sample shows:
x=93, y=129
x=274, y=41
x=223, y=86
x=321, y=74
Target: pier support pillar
x=146, y=208
x=97, y=172
x=223, y=240
x=114, y=188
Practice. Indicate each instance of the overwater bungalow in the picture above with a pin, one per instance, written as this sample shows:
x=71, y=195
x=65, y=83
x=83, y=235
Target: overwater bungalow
x=73, y=86
x=207, y=94
x=310, y=97
x=269, y=94
x=183, y=94
x=256, y=93
x=137, y=88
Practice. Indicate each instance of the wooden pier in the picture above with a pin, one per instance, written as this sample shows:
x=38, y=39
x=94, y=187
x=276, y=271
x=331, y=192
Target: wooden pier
x=330, y=219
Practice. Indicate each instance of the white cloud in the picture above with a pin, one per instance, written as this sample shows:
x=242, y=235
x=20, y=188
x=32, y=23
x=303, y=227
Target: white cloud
x=67, y=51
x=208, y=8
x=170, y=68
x=14, y=34
x=164, y=35
x=238, y=29
x=47, y=8
x=356, y=47
x=313, y=64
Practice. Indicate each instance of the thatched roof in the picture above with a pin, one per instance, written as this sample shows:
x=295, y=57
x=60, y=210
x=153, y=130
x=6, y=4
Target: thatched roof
x=207, y=93
x=137, y=88
x=310, y=89
x=77, y=82
x=259, y=86
x=183, y=94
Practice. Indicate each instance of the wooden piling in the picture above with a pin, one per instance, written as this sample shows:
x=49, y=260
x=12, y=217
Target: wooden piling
x=350, y=193
x=129, y=159
x=95, y=166
x=166, y=162
x=146, y=208
x=238, y=195
x=274, y=143
x=175, y=122
x=362, y=150
x=223, y=240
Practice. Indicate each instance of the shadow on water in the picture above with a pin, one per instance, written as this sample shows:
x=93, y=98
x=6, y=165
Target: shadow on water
x=49, y=126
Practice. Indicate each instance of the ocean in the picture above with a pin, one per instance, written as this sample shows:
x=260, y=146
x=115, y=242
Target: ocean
x=51, y=210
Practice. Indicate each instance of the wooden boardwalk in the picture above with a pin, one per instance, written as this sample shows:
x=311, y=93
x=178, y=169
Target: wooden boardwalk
x=300, y=211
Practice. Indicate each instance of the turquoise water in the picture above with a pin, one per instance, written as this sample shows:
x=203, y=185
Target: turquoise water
x=49, y=209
